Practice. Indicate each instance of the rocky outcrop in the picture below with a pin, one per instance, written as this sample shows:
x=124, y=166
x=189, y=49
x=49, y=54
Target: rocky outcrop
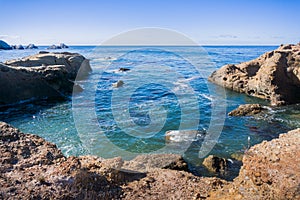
x=63, y=46
x=18, y=47
x=31, y=46
x=32, y=168
x=274, y=76
x=45, y=75
x=270, y=170
x=60, y=46
x=4, y=45
x=246, y=110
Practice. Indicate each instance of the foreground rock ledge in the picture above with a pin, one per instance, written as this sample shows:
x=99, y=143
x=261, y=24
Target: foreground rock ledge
x=44, y=75
x=274, y=76
x=32, y=168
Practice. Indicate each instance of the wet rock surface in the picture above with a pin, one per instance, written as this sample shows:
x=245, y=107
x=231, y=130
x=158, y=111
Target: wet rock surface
x=274, y=76
x=215, y=163
x=44, y=75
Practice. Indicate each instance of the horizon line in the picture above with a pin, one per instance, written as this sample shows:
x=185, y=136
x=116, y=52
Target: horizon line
x=177, y=45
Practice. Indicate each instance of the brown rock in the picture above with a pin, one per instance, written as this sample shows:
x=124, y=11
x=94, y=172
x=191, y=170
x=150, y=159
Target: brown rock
x=270, y=170
x=144, y=163
x=45, y=75
x=274, y=76
x=46, y=174
x=246, y=110
x=32, y=168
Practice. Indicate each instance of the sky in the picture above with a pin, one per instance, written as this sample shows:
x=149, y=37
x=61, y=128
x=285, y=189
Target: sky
x=209, y=22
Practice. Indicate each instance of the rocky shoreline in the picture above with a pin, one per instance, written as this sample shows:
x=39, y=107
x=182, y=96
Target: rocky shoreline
x=33, y=168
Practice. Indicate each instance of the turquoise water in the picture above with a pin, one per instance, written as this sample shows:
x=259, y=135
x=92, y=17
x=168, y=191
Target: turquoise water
x=170, y=92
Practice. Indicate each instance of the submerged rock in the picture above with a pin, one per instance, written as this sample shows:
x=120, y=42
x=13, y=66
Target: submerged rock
x=246, y=110
x=274, y=76
x=47, y=75
x=4, y=45
x=119, y=83
x=215, y=164
x=181, y=135
x=123, y=69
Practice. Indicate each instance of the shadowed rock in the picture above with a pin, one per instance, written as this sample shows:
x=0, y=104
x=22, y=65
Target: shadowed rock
x=4, y=45
x=46, y=75
x=215, y=164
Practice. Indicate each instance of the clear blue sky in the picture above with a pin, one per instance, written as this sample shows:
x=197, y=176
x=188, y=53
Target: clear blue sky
x=207, y=22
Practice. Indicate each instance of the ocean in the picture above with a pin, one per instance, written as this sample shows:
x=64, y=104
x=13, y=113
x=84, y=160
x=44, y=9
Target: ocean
x=165, y=88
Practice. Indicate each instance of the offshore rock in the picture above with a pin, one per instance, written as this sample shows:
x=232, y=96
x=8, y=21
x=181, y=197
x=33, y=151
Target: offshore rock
x=4, y=45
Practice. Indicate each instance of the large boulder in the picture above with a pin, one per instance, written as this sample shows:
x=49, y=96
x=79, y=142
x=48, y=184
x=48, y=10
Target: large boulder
x=46, y=75
x=274, y=76
x=270, y=170
x=4, y=45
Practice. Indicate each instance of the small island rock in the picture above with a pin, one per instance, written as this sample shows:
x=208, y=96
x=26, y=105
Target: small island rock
x=4, y=45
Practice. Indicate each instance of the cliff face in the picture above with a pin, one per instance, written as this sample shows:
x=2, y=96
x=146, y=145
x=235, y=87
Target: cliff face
x=274, y=76
x=32, y=168
x=44, y=75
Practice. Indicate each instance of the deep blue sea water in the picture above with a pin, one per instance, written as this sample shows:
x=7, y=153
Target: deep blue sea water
x=165, y=89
